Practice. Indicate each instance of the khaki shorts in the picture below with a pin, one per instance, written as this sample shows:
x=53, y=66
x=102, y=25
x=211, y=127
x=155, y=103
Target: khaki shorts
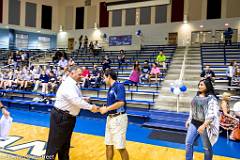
x=115, y=133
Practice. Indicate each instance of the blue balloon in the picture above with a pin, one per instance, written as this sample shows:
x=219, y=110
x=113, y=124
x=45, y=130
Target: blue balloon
x=183, y=88
x=139, y=32
x=172, y=89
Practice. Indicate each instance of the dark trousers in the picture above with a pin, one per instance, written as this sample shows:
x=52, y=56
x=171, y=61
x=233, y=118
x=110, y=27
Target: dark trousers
x=61, y=128
x=229, y=81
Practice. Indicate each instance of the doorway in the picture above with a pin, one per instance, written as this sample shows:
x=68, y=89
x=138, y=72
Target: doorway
x=172, y=38
x=70, y=43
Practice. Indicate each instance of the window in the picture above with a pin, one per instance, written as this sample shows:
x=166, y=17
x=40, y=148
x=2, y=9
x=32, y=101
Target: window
x=131, y=16
x=14, y=12
x=116, y=18
x=44, y=42
x=145, y=15
x=21, y=41
x=31, y=14
x=161, y=14
x=46, y=17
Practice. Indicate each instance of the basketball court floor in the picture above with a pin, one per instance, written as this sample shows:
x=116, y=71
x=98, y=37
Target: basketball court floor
x=29, y=132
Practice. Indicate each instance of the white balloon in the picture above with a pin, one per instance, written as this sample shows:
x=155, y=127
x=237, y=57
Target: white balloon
x=176, y=91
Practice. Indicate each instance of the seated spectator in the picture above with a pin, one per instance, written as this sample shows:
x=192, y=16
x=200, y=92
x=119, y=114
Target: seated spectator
x=28, y=78
x=63, y=62
x=135, y=74
x=106, y=63
x=85, y=77
x=155, y=72
x=96, y=77
x=236, y=78
x=236, y=109
x=208, y=74
x=161, y=60
x=71, y=62
x=227, y=120
x=44, y=79
x=146, y=69
x=53, y=82
x=57, y=57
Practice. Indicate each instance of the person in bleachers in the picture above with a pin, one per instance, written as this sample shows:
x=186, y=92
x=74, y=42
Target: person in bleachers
x=97, y=48
x=121, y=58
x=28, y=78
x=135, y=74
x=53, y=82
x=203, y=120
x=57, y=57
x=18, y=58
x=228, y=36
x=155, y=73
x=96, y=77
x=64, y=74
x=106, y=63
x=91, y=48
x=230, y=73
x=63, y=62
x=85, y=44
x=161, y=60
x=227, y=119
x=80, y=42
x=10, y=58
x=146, y=69
x=85, y=77
x=208, y=73
x=44, y=79
x=71, y=62
x=11, y=75
x=236, y=109
x=5, y=79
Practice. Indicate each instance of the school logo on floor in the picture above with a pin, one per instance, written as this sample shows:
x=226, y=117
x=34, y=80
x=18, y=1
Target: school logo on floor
x=35, y=149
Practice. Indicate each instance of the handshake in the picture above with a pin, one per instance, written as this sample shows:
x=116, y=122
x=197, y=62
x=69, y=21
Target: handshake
x=96, y=109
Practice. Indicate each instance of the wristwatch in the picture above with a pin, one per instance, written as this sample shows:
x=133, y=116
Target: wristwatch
x=2, y=107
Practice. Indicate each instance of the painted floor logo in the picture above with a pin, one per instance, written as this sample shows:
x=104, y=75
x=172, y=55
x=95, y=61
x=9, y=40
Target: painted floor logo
x=11, y=149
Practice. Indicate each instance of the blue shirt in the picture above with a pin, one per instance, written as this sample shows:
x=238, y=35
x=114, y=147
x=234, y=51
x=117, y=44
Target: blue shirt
x=116, y=93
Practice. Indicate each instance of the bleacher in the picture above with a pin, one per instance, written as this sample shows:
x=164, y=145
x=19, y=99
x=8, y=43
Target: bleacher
x=219, y=56
x=140, y=98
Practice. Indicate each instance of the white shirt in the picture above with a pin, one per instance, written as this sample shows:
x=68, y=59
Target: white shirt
x=69, y=97
x=63, y=63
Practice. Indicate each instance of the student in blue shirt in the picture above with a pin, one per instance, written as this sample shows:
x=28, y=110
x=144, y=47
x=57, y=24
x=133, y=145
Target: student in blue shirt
x=117, y=120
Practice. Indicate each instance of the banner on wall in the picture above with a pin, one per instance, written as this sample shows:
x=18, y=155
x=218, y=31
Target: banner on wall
x=120, y=40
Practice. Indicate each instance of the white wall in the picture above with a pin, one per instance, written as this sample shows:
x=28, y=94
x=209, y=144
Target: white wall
x=155, y=33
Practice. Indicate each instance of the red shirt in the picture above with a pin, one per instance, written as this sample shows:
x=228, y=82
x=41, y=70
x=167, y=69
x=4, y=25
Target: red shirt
x=85, y=73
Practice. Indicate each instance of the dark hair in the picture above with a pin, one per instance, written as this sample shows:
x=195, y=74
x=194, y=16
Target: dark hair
x=209, y=87
x=111, y=73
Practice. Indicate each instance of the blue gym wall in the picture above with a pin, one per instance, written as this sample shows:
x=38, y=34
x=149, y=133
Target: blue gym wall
x=4, y=38
x=7, y=37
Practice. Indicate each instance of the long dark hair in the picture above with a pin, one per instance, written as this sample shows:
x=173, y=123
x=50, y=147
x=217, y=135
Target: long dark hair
x=209, y=87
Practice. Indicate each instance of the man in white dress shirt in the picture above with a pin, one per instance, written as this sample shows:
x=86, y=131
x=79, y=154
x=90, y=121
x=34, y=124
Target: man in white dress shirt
x=68, y=103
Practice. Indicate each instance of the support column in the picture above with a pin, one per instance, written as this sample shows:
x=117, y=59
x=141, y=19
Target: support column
x=153, y=14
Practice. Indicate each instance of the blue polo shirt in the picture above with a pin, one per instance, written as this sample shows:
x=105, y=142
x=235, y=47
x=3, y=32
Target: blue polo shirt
x=116, y=93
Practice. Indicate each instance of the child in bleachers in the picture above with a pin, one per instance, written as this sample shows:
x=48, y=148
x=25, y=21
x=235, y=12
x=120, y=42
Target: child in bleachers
x=63, y=62
x=146, y=69
x=155, y=72
x=135, y=74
